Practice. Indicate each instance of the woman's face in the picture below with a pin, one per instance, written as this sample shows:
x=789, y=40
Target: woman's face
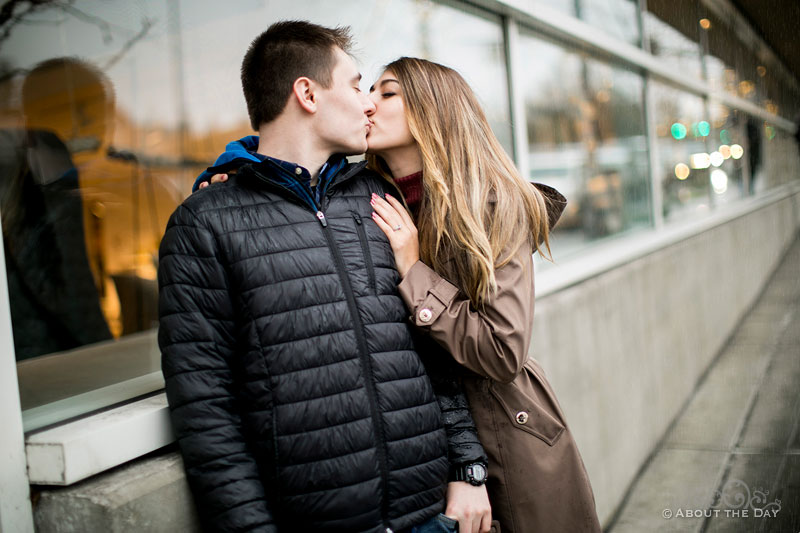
x=389, y=129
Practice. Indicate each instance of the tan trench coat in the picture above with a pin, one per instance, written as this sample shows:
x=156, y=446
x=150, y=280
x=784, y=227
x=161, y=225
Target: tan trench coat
x=537, y=480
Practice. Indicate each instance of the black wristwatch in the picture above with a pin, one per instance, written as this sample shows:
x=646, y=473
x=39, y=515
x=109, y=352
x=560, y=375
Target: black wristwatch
x=473, y=473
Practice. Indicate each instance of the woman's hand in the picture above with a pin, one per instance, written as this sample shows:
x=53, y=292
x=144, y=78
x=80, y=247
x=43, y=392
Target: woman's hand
x=470, y=506
x=216, y=178
x=396, y=223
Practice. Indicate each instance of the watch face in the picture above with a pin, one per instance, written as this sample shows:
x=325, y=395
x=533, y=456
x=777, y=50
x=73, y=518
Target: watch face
x=478, y=472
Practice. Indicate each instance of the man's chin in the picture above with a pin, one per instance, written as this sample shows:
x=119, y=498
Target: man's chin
x=355, y=150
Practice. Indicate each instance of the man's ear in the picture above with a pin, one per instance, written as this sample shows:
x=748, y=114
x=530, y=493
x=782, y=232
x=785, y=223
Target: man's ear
x=304, y=90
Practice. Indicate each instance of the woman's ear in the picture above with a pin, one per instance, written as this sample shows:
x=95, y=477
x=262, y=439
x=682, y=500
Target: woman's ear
x=304, y=91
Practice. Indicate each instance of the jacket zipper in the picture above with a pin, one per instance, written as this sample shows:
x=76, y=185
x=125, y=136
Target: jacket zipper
x=366, y=365
x=362, y=236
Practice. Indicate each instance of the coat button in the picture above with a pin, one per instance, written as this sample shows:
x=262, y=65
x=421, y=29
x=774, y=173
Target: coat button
x=425, y=315
x=298, y=170
x=522, y=417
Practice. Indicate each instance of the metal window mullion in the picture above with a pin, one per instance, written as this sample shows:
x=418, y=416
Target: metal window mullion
x=644, y=41
x=516, y=97
x=656, y=190
x=16, y=513
x=712, y=200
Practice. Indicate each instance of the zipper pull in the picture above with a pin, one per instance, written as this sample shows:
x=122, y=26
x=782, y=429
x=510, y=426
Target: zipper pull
x=321, y=217
x=357, y=218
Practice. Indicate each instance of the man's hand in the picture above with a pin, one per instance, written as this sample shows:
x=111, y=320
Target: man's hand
x=216, y=178
x=470, y=506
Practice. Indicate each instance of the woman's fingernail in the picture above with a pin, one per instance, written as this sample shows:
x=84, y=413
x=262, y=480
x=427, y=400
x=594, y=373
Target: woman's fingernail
x=224, y=177
x=389, y=195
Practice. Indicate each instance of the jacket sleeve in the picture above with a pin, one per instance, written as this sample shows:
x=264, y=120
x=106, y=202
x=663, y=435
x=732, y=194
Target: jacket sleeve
x=196, y=337
x=463, y=445
x=492, y=342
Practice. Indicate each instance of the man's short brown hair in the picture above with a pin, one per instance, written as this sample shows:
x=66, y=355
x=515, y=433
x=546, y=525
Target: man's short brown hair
x=288, y=50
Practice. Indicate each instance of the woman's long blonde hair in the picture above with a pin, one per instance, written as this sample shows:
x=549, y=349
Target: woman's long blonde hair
x=464, y=168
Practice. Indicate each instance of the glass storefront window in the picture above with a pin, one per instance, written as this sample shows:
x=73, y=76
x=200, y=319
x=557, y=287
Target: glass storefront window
x=618, y=18
x=781, y=158
x=719, y=48
x=684, y=161
x=586, y=139
x=673, y=34
x=108, y=111
x=732, y=64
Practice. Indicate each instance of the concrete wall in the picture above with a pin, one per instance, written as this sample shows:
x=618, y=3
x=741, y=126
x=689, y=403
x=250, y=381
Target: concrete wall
x=149, y=495
x=625, y=349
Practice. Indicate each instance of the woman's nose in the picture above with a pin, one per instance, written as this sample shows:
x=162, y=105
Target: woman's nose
x=369, y=105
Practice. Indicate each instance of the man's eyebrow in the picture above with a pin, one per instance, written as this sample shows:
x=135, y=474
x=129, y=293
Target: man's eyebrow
x=387, y=80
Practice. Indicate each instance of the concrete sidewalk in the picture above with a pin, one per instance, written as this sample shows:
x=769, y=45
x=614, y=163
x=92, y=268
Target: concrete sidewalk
x=731, y=461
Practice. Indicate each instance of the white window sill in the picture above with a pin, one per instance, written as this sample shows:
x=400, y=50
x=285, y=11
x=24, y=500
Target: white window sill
x=76, y=450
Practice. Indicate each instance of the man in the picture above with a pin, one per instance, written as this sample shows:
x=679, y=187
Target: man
x=296, y=395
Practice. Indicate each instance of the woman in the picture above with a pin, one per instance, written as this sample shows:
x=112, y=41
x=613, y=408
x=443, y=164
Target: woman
x=464, y=253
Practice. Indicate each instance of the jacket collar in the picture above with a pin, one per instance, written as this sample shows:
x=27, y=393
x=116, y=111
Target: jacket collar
x=335, y=172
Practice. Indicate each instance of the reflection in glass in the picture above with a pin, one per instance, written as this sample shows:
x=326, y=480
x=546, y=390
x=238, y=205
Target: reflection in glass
x=110, y=145
x=55, y=304
x=681, y=142
x=586, y=138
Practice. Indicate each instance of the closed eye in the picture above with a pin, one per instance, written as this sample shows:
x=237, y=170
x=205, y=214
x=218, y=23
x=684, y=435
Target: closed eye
x=388, y=95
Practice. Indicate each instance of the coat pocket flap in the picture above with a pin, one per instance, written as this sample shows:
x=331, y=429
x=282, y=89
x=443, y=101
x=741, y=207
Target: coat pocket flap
x=528, y=406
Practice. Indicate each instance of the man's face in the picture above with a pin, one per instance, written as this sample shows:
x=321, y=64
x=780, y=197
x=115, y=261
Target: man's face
x=342, y=117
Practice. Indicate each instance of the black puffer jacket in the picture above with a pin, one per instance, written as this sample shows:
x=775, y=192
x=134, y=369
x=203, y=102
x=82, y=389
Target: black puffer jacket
x=297, y=397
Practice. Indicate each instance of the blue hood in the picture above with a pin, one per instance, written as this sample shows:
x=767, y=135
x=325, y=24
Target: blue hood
x=236, y=154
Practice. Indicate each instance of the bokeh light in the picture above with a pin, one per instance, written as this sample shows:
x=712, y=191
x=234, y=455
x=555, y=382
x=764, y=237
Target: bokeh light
x=700, y=160
x=678, y=131
x=682, y=171
x=719, y=181
x=737, y=151
x=716, y=158
x=725, y=150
